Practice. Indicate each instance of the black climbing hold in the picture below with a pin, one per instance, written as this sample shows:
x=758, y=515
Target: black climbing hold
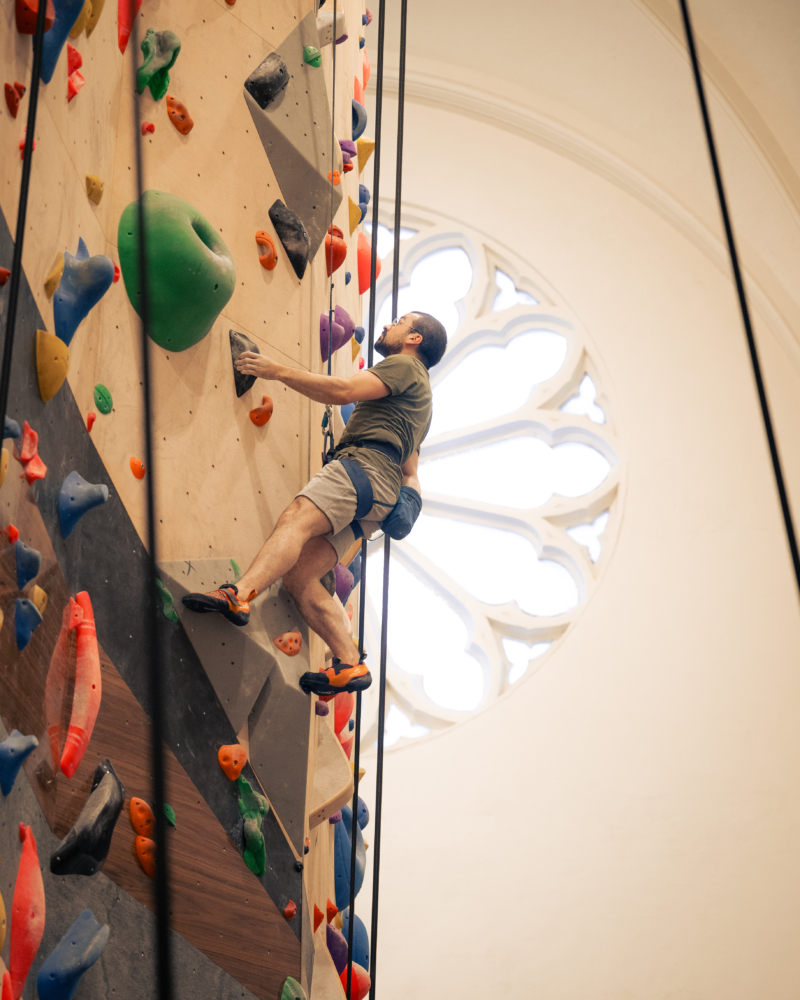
x=84, y=849
x=267, y=80
x=239, y=344
x=329, y=582
x=298, y=866
x=292, y=233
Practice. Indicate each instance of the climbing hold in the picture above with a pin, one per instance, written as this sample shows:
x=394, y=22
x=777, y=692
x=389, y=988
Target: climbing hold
x=359, y=119
x=77, y=497
x=366, y=69
x=335, y=249
x=22, y=143
x=39, y=598
x=342, y=330
x=335, y=818
x=337, y=946
x=342, y=709
x=27, y=913
x=75, y=81
x=148, y=127
x=312, y=56
x=5, y=274
x=94, y=188
x=137, y=468
x=167, y=603
x=354, y=214
x=354, y=349
x=289, y=643
x=102, y=399
x=234, y=565
x=91, y=416
x=56, y=683
x=142, y=819
x=94, y=16
x=346, y=409
x=361, y=41
x=26, y=11
x=347, y=146
x=30, y=445
x=84, y=282
x=267, y=80
x=344, y=582
x=88, y=689
x=347, y=275
x=347, y=745
x=74, y=59
x=325, y=24
x=253, y=807
x=160, y=50
x=10, y=428
x=290, y=909
x=334, y=178
x=365, y=263
x=363, y=199
x=341, y=858
x=179, y=115
x=360, y=938
x=124, y=22
x=29, y=562
x=292, y=990
x=85, y=848
x=11, y=533
x=319, y=916
x=4, y=460
x=320, y=708
x=359, y=333
x=365, y=148
x=52, y=363
x=232, y=757
x=146, y=853
x=12, y=100
x=54, y=276
x=66, y=14
x=261, y=414
x=117, y=274
x=292, y=234
x=169, y=814
x=13, y=752
x=267, y=257
x=239, y=344
x=358, y=90
x=35, y=469
x=83, y=17
x=331, y=909
x=74, y=955
x=192, y=274
x=359, y=982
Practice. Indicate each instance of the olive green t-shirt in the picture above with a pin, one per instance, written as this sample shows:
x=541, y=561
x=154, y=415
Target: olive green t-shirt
x=402, y=418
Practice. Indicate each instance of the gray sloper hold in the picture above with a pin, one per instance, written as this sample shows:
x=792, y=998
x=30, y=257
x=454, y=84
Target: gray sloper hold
x=267, y=80
x=239, y=344
x=292, y=234
x=295, y=131
x=85, y=848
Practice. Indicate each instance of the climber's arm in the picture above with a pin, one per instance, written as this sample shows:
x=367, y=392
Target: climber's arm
x=320, y=388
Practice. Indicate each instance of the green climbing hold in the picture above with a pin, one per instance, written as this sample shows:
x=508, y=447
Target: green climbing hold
x=253, y=807
x=169, y=812
x=102, y=399
x=191, y=274
x=312, y=56
x=236, y=571
x=292, y=990
x=167, y=603
x=160, y=52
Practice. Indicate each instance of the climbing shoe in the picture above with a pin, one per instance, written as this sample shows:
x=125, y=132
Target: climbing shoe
x=336, y=678
x=225, y=601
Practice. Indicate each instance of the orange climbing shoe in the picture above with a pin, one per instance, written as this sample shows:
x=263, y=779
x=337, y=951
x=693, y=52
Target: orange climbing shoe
x=225, y=601
x=337, y=678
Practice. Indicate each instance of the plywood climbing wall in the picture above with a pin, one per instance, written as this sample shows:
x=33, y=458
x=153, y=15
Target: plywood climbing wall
x=221, y=483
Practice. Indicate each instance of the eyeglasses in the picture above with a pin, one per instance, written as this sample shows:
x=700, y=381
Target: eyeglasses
x=399, y=319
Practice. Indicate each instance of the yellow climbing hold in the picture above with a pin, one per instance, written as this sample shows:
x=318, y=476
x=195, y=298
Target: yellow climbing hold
x=94, y=188
x=39, y=598
x=337, y=922
x=355, y=214
x=83, y=17
x=4, y=457
x=361, y=771
x=52, y=363
x=94, y=16
x=364, y=149
x=355, y=347
x=53, y=279
x=2, y=909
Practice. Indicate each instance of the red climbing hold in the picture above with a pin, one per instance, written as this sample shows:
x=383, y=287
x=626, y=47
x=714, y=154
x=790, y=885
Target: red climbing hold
x=267, y=257
x=91, y=416
x=148, y=127
x=359, y=982
x=26, y=11
x=230, y=3
x=360, y=363
x=261, y=414
x=12, y=100
x=56, y=683
x=74, y=83
x=137, y=468
x=117, y=273
x=364, y=262
x=27, y=912
x=74, y=59
x=319, y=916
x=290, y=909
x=22, y=143
x=342, y=710
x=30, y=444
x=20, y=88
x=348, y=167
x=347, y=745
x=124, y=22
x=35, y=469
x=289, y=643
x=335, y=249
x=88, y=690
x=146, y=853
x=358, y=90
x=5, y=274
x=11, y=533
x=332, y=911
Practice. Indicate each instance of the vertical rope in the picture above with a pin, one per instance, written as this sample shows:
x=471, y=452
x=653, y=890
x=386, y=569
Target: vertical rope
x=154, y=659
x=330, y=249
x=22, y=208
x=742, y=295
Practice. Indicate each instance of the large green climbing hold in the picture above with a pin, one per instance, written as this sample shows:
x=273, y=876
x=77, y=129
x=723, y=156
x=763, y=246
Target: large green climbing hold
x=167, y=603
x=102, y=399
x=253, y=807
x=160, y=52
x=191, y=272
x=292, y=990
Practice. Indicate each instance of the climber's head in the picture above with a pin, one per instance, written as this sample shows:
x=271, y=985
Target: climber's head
x=415, y=333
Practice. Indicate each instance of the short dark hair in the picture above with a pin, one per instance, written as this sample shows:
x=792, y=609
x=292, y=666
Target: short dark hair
x=434, y=339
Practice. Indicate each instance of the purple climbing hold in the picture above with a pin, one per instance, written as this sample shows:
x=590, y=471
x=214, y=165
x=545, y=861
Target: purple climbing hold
x=336, y=818
x=321, y=708
x=343, y=328
x=344, y=582
x=348, y=146
x=337, y=946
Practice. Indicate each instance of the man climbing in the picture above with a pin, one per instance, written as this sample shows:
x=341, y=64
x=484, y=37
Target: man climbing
x=371, y=480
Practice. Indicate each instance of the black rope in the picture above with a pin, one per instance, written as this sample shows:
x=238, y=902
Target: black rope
x=330, y=231
x=22, y=208
x=740, y=290
x=154, y=659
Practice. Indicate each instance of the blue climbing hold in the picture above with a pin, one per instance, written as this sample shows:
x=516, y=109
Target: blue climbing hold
x=359, y=333
x=11, y=428
x=29, y=562
x=361, y=43
x=363, y=200
x=13, y=752
x=364, y=20
x=67, y=12
x=78, y=497
x=347, y=411
x=360, y=938
x=359, y=119
x=28, y=619
x=347, y=277
x=74, y=954
x=84, y=281
x=363, y=816
x=351, y=725
x=341, y=859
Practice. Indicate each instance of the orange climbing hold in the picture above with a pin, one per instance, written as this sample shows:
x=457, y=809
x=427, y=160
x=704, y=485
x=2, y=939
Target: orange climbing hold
x=12, y=100
x=358, y=91
x=319, y=916
x=142, y=819
x=5, y=274
x=28, y=455
x=334, y=178
x=342, y=710
x=335, y=249
x=146, y=853
x=137, y=468
x=364, y=262
x=26, y=11
x=11, y=533
x=232, y=759
x=332, y=911
x=124, y=22
x=178, y=114
x=267, y=257
x=88, y=688
x=27, y=913
x=290, y=909
x=289, y=643
x=148, y=127
x=261, y=414
x=90, y=419
x=366, y=68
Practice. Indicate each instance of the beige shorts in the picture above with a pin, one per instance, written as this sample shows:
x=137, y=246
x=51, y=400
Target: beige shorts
x=333, y=492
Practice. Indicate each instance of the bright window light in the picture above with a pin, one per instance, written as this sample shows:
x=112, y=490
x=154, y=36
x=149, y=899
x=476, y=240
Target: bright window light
x=509, y=295
x=589, y=535
x=398, y=726
x=519, y=655
x=584, y=402
x=438, y=281
x=386, y=236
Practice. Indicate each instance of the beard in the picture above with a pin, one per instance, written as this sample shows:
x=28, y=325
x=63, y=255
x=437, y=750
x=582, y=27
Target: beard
x=384, y=349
